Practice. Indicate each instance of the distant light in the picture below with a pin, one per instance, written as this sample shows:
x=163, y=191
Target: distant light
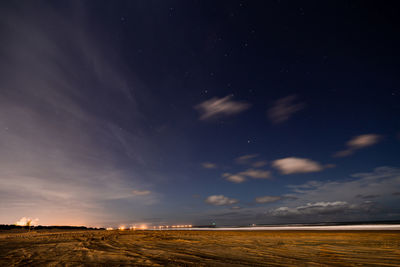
x=109, y=228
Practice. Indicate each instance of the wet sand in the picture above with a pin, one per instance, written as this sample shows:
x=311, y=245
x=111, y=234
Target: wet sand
x=200, y=248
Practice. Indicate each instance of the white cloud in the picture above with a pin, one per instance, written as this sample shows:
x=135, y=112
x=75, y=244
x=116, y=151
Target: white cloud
x=250, y=173
x=268, y=199
x=220, y=200
x=141, y=192
x=284, y=108
x=293, y=165
x=209, y=165
x=217, y=107
x=359, y=142
x=313, y=209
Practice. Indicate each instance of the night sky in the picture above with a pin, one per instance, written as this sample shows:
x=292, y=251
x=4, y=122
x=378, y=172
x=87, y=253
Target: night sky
x=193, y=112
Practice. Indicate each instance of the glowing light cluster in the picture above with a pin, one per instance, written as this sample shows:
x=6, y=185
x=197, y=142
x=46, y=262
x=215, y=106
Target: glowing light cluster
x=24, y=221
x=145, y=227
x=181, y=226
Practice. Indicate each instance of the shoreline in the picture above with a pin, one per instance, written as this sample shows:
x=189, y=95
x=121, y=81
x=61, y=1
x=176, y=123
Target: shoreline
x=363, y=227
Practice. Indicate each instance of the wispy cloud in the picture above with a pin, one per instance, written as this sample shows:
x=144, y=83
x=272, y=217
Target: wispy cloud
x=358, y=142
x=260, y=163
x=268, y=199
x=358, y=195
x=220, y=200
x=209, y=165
x=361, y=196
x=249, y=173
x=249, y=160
x=367, y=196
x=234, y=178
x=65, y=158
x=293, y=165
x=220, y=107
x=256, y=174
x=245, y=159
x=316, y=208
x=284, y=108
x=141, y=192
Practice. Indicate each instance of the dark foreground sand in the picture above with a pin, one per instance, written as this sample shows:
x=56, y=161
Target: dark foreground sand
x=200, y=248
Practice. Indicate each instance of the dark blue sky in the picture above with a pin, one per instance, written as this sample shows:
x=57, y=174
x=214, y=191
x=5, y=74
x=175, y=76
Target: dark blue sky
x=234, y=112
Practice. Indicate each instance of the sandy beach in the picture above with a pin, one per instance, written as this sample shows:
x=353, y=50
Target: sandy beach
x=200, y=248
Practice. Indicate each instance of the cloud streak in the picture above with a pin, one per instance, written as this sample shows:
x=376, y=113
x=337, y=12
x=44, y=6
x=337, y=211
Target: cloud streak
x=317, y=208
x=267, y=199
x=358, y=142
x=283, y=109
x=220, y=107
x=249, y=173
x=234, y=178
x=209, y=165
x=245, y=159
x=220, y=200
x=141, y=192
x=364, y=195
x=259, y=164
x=65, y=157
